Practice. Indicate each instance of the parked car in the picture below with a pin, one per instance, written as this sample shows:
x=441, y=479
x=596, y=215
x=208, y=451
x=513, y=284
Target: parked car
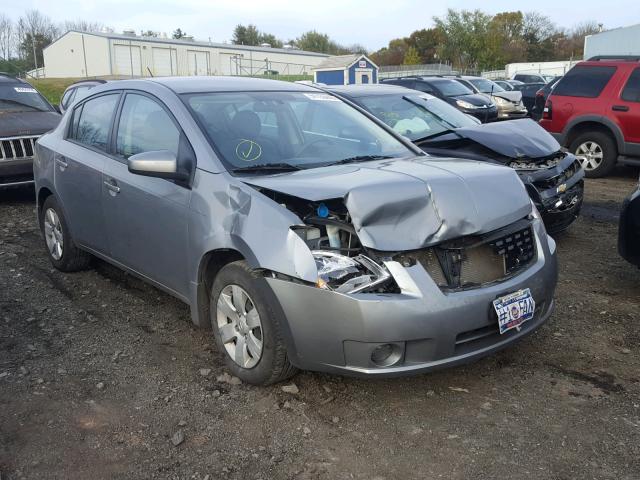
x=77, y=91
x=594, y=110
x=295, y=225
x=505, y=85
x=554, y=179
x=531, y=77
x=629, y=228
x=529, y=91
x=540, y=98
x=452, y=92
x=509, y=103
x=24, y=116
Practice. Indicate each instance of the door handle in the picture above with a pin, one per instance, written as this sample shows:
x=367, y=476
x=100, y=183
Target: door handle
x=61, y=162
x=620, y=108
x=112, y=186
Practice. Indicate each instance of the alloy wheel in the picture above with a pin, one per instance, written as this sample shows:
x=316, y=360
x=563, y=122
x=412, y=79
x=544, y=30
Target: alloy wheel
x=590, y=155
x=239, y=326
x=53, y=234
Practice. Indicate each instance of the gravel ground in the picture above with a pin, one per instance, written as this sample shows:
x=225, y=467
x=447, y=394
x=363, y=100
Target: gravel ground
x=103, y=376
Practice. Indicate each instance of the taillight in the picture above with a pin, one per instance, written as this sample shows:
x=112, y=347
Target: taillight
x=539, y=93
x=547, y=113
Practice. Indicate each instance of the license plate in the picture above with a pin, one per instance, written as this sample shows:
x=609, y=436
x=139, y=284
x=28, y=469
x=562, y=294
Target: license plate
x=514, y=309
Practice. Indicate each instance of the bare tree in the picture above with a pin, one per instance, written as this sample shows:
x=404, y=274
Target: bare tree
x=6, y=37
x=83, y=26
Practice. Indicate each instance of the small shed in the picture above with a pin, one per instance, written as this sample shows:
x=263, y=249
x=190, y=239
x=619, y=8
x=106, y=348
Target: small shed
x=346, y=70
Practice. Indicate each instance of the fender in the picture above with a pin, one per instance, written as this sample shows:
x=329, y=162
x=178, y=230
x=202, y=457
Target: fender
x=604, y=121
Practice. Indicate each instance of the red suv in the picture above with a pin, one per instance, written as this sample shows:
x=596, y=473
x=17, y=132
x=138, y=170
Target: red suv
x=594, y=110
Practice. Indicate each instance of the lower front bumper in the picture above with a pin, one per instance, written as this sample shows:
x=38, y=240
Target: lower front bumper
x=566, y=209
x=432, y=328
x=16, y=172
x=512, y=114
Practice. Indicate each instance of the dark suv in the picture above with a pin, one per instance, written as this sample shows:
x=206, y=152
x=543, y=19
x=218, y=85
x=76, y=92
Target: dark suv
x=594, y=110
x=452, y=92
x=24, y=116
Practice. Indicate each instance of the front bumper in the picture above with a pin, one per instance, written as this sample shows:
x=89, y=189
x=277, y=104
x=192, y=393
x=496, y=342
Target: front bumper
x=629, y=229
x=485, y=115
x=510, y=112
x=432, y=329
x=557, y=192
x=16, y=172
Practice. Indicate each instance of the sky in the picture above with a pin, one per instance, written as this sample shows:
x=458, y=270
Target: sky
x=371, y=23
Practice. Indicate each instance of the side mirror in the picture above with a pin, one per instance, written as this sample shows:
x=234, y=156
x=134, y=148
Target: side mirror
x=57, y=108
x=158, y=163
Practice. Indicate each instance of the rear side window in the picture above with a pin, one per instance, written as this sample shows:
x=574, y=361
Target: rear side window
x=94, y=121
x=584, y=81
x=144, y=127
x=68, y=96
x=81, y=92
x=631, y=92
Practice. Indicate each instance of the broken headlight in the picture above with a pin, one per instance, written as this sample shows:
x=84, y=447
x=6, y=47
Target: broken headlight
x=347, y=274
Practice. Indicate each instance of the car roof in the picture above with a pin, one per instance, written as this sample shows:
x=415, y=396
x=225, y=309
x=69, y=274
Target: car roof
x=7, y=78
x=97, y=81
x=225, y=84
x=371, y=89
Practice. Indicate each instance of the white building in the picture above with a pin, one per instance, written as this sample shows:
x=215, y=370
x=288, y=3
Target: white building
x=82, y=54
x=619, y=41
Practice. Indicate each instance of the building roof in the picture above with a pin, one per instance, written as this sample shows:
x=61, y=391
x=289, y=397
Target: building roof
x=173, y=41
x=342, y=61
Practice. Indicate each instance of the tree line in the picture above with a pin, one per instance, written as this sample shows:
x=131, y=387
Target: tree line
x=475, y=40
x=311, y=41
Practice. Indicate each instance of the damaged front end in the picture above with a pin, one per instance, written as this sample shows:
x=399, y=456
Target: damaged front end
x=553, y=178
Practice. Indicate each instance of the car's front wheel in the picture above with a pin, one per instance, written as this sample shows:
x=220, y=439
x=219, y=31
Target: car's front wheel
x=246, y=328
x=63, y=252
x=596, y=151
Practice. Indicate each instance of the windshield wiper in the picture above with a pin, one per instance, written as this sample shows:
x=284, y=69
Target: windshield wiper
x=361, y=158
x=268, y=167
x=426, y=138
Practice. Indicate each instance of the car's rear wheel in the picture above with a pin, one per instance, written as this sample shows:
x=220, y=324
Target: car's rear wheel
x=63, y=252
x=596, y=151
x=246, y=328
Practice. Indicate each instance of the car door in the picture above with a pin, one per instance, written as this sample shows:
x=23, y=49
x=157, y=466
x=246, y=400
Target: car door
x=79, y=163
x=626, y=109
x=146, y=217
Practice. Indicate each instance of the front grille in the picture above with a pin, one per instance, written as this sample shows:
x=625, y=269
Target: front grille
x=17, y=148
x=476, y=261
x=562, y=177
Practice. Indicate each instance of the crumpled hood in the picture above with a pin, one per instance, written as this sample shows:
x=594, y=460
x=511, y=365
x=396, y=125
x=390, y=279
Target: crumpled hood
x=19, y=124
x=513, y=96
x=522, y=138
x=407, y=204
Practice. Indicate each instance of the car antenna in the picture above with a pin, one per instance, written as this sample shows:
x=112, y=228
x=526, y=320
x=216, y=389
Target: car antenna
x=149, y=70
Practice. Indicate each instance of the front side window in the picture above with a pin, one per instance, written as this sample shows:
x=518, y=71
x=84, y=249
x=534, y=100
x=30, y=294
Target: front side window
x=144, y=127
x=94, y=121
x=304, y=130
x=631, y=92
x=415, y=116
x=19, y=97
x=584, y=81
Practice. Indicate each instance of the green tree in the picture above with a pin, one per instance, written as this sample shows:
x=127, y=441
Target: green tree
x=248, y=35
x=313, y=41
x=34, y=43
x=391, y=55
x=271, y=39
x=178, y=34
x=411, y=56
x=465, y=35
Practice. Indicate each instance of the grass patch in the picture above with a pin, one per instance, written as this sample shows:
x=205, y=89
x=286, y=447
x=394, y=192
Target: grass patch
x=52, y=88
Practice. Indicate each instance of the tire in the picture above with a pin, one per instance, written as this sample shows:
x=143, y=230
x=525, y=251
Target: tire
x=64, y=254
x=235, y=289
x=603, y=151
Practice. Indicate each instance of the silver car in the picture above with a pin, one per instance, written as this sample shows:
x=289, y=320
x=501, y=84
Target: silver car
x=303, y=231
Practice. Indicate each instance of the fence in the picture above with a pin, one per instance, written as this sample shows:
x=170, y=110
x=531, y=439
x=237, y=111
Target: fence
x=424, y=70
x=242, y=66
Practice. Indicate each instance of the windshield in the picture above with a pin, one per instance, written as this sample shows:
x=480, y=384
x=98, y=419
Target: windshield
x=485, y=85
x=416, y=116
x=18, y=97
x=303, y=130
x=452, y=88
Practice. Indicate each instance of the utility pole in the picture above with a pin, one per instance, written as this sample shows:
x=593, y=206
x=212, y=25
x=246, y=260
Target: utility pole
x=33, y=44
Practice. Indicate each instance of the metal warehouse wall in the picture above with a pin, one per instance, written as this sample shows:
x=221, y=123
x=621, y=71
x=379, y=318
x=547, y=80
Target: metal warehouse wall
x=621, y=41
x=77, y=55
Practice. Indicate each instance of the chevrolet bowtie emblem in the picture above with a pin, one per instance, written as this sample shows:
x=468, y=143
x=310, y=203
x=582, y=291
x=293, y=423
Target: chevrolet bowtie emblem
x=562, y=188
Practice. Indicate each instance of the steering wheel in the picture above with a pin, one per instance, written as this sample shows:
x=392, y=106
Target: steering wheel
x=312, y=144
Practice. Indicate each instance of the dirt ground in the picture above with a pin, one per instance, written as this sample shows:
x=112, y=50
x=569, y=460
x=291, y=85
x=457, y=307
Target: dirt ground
x=101, y=374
